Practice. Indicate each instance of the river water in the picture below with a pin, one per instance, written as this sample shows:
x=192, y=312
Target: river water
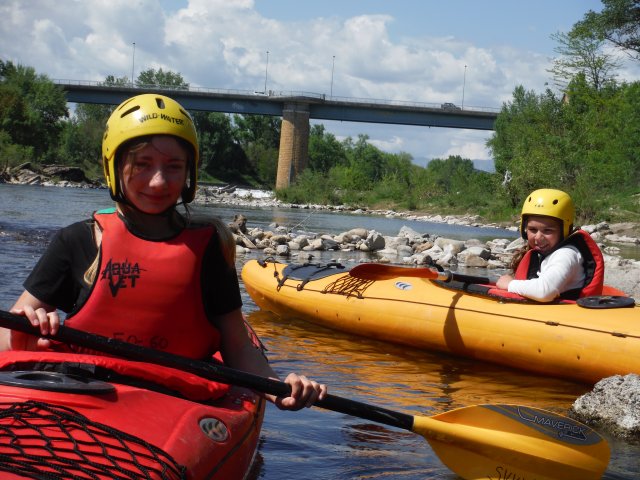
x=316, y=443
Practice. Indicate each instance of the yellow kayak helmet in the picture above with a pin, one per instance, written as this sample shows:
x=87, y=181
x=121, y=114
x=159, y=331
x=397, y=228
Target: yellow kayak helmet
x=144, y=115
x=548, y=202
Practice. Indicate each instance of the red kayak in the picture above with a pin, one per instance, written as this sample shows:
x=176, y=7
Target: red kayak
x=76, y=416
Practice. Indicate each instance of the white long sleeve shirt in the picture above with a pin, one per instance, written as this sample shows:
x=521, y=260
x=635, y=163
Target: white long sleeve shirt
x=560, y=271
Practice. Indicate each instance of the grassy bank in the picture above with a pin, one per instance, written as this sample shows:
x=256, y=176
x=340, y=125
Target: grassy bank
x=485, y=198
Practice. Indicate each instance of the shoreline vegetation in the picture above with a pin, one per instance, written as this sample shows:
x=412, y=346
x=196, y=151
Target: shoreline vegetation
x=74, y=177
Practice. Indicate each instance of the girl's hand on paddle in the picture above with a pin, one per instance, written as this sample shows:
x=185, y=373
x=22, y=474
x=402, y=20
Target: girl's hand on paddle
x=304, y=393
x=47, y=322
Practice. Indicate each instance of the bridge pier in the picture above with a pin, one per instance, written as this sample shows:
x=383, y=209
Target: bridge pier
x=296, y=108
x=294, y=143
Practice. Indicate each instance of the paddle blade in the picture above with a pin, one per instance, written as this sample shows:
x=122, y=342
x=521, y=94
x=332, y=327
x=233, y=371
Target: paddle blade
x=509, y=441
x=377, y=271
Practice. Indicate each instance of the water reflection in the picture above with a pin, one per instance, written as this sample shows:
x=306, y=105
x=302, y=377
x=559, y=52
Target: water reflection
x=410, y=381
x=395, y=376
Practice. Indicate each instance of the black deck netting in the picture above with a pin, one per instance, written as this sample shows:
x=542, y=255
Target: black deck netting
x=44, y=441
x=348, y=286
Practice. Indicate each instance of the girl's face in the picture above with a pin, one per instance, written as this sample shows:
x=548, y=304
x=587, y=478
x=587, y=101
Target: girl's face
x=543, y=233
x=154, y=174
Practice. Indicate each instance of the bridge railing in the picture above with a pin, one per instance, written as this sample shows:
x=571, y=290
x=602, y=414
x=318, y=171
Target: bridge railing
x=405, y=103
x=91, y=83
x=277, y=94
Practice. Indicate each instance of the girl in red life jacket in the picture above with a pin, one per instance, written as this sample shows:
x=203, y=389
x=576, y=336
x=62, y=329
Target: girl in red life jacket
x=144, y=272
x=557, y=261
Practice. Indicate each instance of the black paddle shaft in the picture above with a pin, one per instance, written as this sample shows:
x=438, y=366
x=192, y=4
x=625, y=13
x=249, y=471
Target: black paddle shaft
x=447, y=276
x=209, y=370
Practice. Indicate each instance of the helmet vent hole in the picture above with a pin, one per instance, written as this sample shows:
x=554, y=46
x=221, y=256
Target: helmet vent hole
x=160, y=103
x=130, y=111
x=555, y=202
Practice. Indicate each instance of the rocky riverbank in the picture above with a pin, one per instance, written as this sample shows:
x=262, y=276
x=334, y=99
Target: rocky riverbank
x=410, y=247
x=47, y=175
x=613, y=405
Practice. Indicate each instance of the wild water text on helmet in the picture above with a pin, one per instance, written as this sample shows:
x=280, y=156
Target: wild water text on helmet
x=162, y=116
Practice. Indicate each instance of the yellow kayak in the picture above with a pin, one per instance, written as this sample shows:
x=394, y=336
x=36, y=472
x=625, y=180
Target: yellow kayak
x=585, y=341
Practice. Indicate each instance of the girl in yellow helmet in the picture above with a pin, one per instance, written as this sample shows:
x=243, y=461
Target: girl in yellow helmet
x=143, y=271
x=559, y=261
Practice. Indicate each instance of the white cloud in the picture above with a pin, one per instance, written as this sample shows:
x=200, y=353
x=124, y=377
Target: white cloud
x=475, y=150
x=394, y=144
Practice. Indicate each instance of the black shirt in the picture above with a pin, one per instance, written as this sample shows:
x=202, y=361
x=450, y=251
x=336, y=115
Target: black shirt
x=58, y=277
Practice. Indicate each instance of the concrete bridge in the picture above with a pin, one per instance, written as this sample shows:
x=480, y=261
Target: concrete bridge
x=296, y=109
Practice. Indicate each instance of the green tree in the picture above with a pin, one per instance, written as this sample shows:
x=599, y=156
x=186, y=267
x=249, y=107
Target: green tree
x=81, y=140
x=12, y=154
x=311, y=187
x=618, y=22
x=259, y=137
x=264, y=161
x=366, y=163
x=14, y=117
x=78, y=147
x=325, y=151
x=95, y=114
x=584, y=143
x=603, y=126
x=160, y=78
x=32, y=109
x=221, y=155
x=112, y=81
x=400, y=167
x=452, y=174
x=453, y=184
x=582, y=55
x=528, y=144
x=628, y=128
x=263, y=129
x=399, y=182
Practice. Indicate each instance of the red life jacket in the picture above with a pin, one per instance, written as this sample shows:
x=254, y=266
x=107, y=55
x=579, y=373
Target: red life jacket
x=593, y=264
x=148, y=292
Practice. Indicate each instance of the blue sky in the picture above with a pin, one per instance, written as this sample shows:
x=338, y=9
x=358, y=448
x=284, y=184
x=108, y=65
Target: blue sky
x=486, y=23
x=410, y=50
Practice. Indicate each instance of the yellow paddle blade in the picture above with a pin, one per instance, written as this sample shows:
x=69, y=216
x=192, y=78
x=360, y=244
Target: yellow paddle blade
x=509, y=441
x=378, y=271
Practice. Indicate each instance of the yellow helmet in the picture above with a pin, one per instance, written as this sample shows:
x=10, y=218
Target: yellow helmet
x=143, y=115
x=547, y=202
